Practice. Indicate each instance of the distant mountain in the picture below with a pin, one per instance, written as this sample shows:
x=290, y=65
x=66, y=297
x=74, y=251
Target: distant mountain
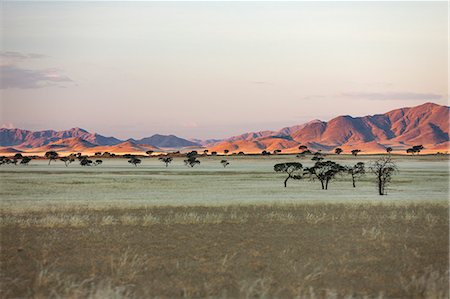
x=28, y=139
x=426, y=124
x=166, y=141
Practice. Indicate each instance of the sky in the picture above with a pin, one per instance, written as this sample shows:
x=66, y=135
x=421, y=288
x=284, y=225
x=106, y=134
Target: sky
x=215, y=69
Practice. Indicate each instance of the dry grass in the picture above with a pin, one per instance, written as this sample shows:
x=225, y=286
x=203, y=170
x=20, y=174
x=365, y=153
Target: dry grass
x=275, y=251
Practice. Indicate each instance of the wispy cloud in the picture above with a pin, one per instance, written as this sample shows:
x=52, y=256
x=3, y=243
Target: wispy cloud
x=20, y=56
x=381, y=96
x=12, y=76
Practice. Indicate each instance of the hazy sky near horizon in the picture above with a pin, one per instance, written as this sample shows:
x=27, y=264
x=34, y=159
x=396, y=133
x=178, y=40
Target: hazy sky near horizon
x=214, y=69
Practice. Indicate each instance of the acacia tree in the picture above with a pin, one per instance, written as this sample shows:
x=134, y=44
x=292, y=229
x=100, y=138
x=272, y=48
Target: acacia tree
x=66, y=160
x=355, y=152
x=85, y=162
x=51, y=156
x=415, y=149
x=338, y=150
x=226, y=151
x=356, y=171
x=292, y=169
x=324, y=172
x=191, y=159
x=166, y=160
x=98, y=162
x=149, y=153
x=25, y=160
x=135, y=161
x=303, y=147
x=225, y=163
x=383, y=169
x=389, y=150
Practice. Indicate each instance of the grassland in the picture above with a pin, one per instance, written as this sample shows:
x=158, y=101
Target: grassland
x=116, y=231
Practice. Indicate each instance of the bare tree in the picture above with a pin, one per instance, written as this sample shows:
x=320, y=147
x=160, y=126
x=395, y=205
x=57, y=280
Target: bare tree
x=383, y=169
x=292, y=169
x=356, y=172
x=51, y=156
x=324, y=172
x=225, y=163
x=166, y=160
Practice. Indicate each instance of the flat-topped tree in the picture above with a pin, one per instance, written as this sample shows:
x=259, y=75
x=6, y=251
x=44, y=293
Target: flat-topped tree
x=389, y=150
x=303, y=147
x=98, y=162
x=383, y=169
x=325, y=172
x=205, y=152
x=356, y=172
x=415, y=149
x=51, y=156
x=355, y=152
x=224, y=163
x=292, y=169
x=25, y=160
x=134, y=161
x=166, y=160
x=226, y=151
x=338, y=150
x=191, y=161
x=86, y=162
x=149, y=152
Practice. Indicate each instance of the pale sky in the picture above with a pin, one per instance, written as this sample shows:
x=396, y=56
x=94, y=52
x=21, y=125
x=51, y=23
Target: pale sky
x=214, y=69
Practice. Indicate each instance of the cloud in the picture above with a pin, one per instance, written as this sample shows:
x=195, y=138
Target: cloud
x=20, y=56
x=12, y=76
x=381, y=96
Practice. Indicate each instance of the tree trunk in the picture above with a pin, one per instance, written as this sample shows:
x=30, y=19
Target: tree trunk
x=353, y=181
x=49, y=161
x=323, y=186
x=326, y=184
x=285, y=181
x=380, y=186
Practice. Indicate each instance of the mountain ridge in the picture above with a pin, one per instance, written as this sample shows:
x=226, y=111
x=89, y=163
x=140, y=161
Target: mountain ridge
x=426, y=124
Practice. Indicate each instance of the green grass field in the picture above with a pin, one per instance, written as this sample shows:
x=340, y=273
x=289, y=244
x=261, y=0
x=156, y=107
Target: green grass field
x=116, y=231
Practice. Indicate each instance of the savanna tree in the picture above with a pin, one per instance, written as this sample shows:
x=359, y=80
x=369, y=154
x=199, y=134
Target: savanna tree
x=66, y=160
x=356, y=172
x=149, y=153
x=25, y=160
x=415, y=149
x=166, y=160
x=277, y=151
x=318, y=156
x=265, y=153
x=85, y=162
x=303, y=147
x=225, y=163
x=383, y=169
x=18, y=156
x=355, y=152
x=338, y=150
x=51, y=156
x=205, y=152
x=292, y=169
x=389, y=150
x=191, y=161
x=226, y=151
x=324, y=172
x=134, y=161
x=98, y=162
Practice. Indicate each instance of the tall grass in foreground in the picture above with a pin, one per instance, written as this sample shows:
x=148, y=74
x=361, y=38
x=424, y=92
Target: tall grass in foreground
x=273, y=251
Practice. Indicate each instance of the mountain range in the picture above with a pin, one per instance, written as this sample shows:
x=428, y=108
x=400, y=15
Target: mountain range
x=426, y=124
